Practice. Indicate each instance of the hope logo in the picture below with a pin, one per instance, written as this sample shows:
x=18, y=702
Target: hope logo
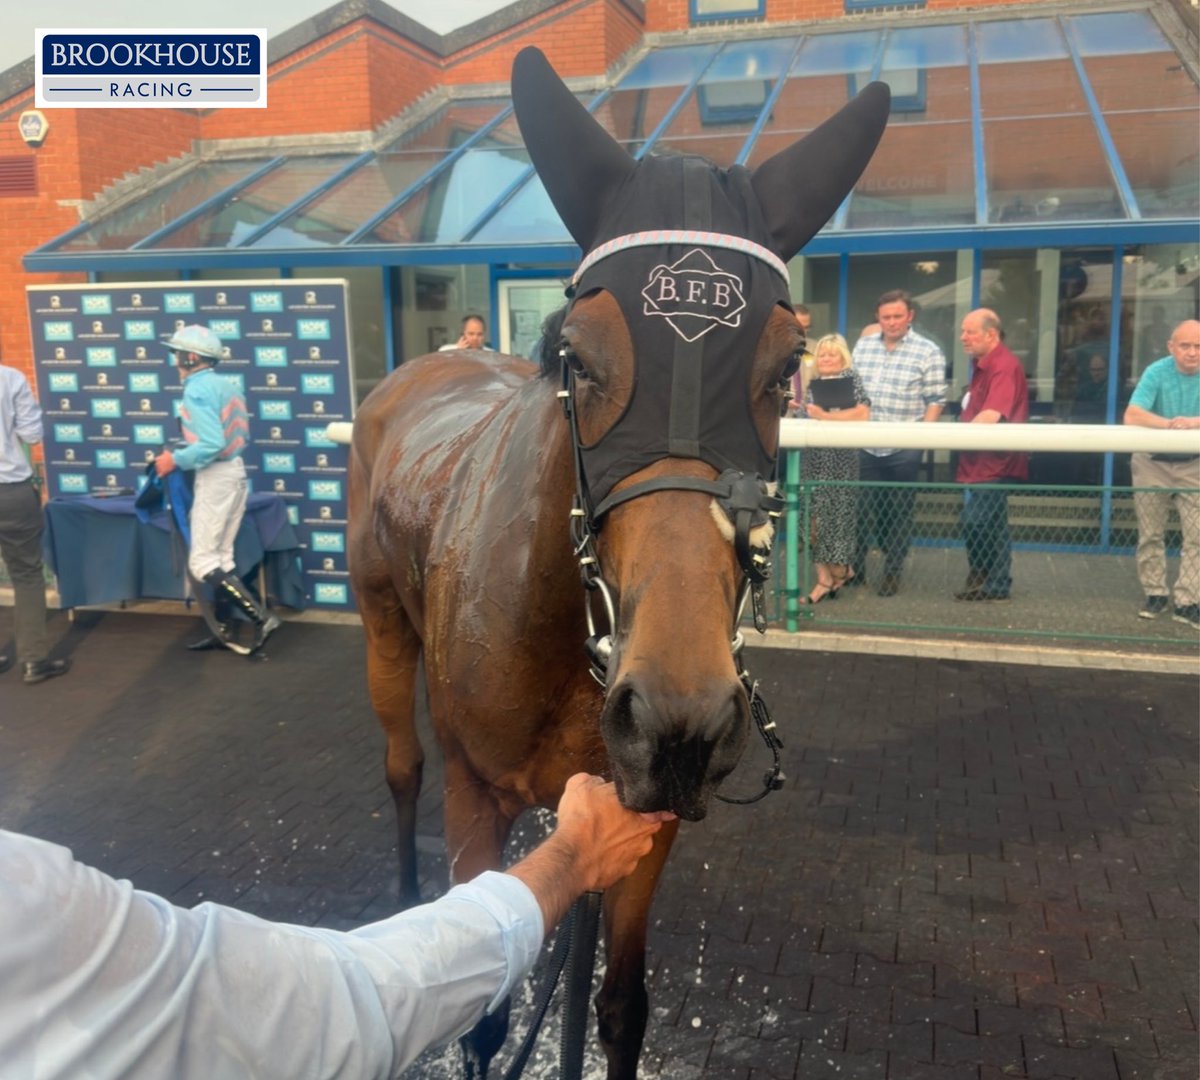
x=139, y=330
x=58, y=331
x=143, y=382
x=238, y=381
x=317, y=436
x=101, y=356
x=279, y=463
x=226, y=328
x=68, y=433
x=329, y=541
x=63, y=382
x=266, y=301
x=274, y=410
x=694, y=295
x=316, y=384
x=179, y=302
x=148, y=434
x=106, y=406
x=110, y=459
x=325, y=490
x=97, y=305
x=313, y=329
x=72, y=483
x=270, y=356
x=328, y=592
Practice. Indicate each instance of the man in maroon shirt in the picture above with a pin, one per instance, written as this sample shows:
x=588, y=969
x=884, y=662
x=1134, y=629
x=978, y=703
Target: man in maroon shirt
x=998, y=394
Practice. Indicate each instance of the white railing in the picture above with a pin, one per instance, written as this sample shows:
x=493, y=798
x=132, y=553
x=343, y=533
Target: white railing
x=1064, y=438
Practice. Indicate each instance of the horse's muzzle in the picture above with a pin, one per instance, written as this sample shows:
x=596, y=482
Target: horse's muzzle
x=671, y=751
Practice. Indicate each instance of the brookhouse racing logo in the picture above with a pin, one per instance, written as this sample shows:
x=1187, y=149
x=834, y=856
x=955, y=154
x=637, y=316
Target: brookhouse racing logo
x=694, y=295
x=151, y=69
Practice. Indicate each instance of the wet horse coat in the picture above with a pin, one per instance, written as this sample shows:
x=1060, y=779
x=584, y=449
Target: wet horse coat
x=676, y=350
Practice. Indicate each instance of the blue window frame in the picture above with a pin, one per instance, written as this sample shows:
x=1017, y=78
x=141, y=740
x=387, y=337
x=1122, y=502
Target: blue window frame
x=869, y=5
x=702, y=11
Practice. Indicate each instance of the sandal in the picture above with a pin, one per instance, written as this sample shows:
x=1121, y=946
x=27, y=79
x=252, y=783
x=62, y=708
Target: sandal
x=845, y=579
x=830, y=593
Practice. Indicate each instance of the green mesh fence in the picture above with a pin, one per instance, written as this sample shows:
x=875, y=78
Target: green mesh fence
x=931, y=558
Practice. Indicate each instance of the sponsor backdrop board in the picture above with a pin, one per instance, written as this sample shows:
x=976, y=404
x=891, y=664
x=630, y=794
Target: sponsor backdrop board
x=110, y=394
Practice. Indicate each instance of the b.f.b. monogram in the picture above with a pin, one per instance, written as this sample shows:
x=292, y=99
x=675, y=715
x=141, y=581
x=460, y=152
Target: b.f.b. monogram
x=694, y=295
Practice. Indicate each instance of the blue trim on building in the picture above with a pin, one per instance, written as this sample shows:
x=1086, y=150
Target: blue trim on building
x=305, y=199
x=447, y=162
x=1115, y=168
x=221, y=197
x=696, y=19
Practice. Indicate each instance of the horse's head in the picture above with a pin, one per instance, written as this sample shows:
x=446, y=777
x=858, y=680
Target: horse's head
x=676, y=352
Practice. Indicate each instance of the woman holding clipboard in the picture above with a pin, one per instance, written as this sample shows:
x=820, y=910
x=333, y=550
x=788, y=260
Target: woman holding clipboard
x=835, y=393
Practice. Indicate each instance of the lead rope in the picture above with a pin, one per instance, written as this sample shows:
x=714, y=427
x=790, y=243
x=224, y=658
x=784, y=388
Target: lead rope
x=576, y=939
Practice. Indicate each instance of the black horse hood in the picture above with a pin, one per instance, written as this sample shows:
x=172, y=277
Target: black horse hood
x=696, y=257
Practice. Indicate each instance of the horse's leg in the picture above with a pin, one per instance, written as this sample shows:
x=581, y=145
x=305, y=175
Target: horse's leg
x=393, y=652
x=476, y=829
x=622, y=1004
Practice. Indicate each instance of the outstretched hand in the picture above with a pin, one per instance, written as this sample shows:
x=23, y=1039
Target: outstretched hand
x=595, y=844
x=609, y=840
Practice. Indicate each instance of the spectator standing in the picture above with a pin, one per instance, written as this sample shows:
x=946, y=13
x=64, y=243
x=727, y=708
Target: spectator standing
x=904, y=376
x=216, y=430
x=21, y=526
x=103, y=981
x=474, y=331
x=834, y=508
x=998, y=393
x=1168, y=396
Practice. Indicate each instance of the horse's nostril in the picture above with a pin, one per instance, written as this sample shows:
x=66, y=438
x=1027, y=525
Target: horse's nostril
x=670, y=751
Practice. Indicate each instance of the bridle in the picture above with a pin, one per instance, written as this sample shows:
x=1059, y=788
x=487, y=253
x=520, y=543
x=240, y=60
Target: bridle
x=747, y=500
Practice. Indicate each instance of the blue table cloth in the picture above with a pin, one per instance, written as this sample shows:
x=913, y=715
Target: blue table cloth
x=102, y=554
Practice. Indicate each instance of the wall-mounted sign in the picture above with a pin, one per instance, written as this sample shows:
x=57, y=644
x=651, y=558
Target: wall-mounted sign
x=33, y=126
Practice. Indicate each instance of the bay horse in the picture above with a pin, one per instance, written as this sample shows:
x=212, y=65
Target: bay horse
x=481, y=489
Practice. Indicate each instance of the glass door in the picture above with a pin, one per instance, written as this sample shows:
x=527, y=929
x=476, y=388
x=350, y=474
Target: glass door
x=523, y=305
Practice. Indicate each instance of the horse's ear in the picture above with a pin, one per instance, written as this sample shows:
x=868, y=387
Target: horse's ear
x=578, y=161
x=800, y=188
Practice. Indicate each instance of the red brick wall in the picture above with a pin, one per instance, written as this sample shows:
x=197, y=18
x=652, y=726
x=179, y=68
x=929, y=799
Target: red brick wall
x=667, y=15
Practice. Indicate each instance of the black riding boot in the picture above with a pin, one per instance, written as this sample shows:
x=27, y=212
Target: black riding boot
x=223, y=613
x=230, y=587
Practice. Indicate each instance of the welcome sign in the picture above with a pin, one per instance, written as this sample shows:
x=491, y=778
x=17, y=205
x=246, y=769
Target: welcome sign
x=110, y=394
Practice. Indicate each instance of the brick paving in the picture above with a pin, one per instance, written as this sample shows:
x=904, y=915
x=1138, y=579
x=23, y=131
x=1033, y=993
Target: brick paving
x=974, y=871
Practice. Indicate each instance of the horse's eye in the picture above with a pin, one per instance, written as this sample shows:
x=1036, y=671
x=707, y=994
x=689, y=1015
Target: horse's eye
x=792, y=365
x=571, y=359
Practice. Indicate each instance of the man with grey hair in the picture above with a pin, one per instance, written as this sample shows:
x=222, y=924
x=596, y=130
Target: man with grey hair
x=1168, y=396
x=998, y=394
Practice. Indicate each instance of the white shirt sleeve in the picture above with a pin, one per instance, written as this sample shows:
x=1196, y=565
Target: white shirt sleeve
x=99, y=980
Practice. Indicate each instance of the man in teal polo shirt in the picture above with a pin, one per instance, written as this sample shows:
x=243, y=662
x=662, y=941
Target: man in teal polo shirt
x=1167, y=396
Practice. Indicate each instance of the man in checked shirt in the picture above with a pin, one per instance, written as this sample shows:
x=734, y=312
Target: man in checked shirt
x=904, y=375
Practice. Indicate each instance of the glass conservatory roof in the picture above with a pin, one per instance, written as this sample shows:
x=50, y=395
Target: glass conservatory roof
x=999, y=127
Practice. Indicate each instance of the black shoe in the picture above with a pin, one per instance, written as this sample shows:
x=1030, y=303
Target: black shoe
x=37, y=671
x=889, y=586
x=5, y=663
x=205, y=644
x=1154, y=607
x=268, y=626
x=1189, y=614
